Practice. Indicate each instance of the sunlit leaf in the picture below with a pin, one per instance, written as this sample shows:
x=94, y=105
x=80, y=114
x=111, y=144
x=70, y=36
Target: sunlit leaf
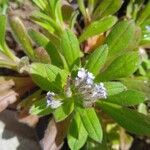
x=130, y=119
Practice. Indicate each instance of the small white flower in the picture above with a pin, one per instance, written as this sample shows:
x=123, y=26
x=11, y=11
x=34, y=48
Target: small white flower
x=84, y=77
x=90, y=75
x=89, y=81
x=82, y=73
x=101, y=91
x=51, y=101
x=50, y=94
x=54, y=104
x=90, y=91
x=147, y=28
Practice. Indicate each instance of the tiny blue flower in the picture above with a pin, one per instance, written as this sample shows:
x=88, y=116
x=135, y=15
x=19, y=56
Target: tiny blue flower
x=51, y=101
x=90, y=91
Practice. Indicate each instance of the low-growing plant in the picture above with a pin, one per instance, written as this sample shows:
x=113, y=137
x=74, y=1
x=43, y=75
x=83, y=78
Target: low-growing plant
x=89, y=68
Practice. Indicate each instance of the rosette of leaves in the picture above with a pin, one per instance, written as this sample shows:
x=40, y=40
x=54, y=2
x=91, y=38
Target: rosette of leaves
x=113, y=59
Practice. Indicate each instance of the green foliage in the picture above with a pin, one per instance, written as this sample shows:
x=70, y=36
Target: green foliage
x=123, y=66
x=120, y=37
x=40, y=108
x=70, y=49
x=114, y=88
x=91, y=61
x=77, y=134
x=3, y=6
x=107, y=7
x=2, y=30
x=4, y=48
x=144, y=15
x=130, y=119
x=91, y=124
x=48, y=77
x=98, y=27
x=22, y=36
x=97, y=59
x=65, y=110
x=127, y=98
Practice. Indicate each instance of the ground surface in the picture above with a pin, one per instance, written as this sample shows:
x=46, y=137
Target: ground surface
x=15, y=135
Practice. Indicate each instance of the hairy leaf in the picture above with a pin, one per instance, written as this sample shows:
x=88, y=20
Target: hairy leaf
x=64, y=110
x=98, y=27
x=22, y=36
x=130, y=119
x=107, y=7
x=91, y=124
x=97, y=59
x=114, y=88
x=127, y=98
x=144, y=15
x=77, y=134
x=123, y=66
x=70, y=48
x=40, y=108
x=120, y=37
x=48, y=77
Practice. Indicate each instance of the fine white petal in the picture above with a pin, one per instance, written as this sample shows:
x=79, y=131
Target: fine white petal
x=51, y=100
x=89, y=81
x=82, y=73
x=55, y=104
x=50, y=93
x=90, y=75
x=90, y=91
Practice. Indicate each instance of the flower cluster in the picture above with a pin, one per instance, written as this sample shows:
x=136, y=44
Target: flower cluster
x=51, y=101
x=84, y=83
x=90, y=91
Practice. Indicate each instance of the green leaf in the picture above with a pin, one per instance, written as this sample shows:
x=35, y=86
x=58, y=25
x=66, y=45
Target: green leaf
x=107, y=7
x=140, y=83
x=2, y=31
x=48, y=77
x=91, y=124
x=77, y=134
x=44, y=24
x=3, y=46
x=42, y=19
x=144, y=15
x=70, y=48
x=127, y=98
x=130, y=119
x=97, y=27
x=123, y=66
x=58, y=13
x=38, y=38
x=40, y=108
x=114, y=88
x=64, y=110
x=67, y=12
x=73, y=19
x=44, y=42
x=56, y=57
x=22, y=36
x=97, y=59
x=120, y=37
x=91, y=5
x=82, y=7
x=134, y=43
x=40, y=3
x=145, y=36
x=52, y=7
